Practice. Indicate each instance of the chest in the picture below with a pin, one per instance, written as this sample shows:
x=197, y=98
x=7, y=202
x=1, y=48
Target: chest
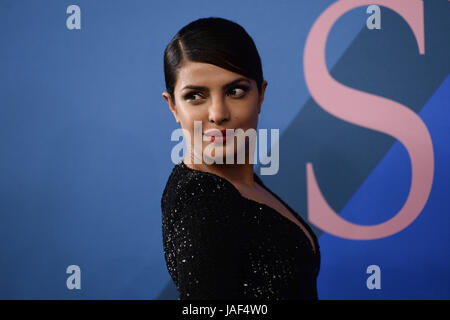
x=261, y=195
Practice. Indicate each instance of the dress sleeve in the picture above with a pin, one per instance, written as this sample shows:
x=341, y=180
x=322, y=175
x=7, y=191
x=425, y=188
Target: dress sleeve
x=205, y=240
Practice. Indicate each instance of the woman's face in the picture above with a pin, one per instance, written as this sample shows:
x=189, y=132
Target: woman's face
x=220, y=99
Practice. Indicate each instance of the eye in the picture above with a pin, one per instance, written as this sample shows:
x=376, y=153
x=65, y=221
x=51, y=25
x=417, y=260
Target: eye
x=239, y=91
x=191, y=96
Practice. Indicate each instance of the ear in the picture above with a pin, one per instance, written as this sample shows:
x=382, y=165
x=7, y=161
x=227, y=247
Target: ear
x=169, y=101
x=261, y=95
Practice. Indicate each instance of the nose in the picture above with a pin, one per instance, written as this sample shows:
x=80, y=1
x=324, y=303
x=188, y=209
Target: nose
x=218, y=111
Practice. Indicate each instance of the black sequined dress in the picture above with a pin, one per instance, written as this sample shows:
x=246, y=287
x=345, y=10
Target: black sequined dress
x=220, y=245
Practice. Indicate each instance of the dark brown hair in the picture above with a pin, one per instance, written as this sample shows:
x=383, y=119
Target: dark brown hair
x=213, y=40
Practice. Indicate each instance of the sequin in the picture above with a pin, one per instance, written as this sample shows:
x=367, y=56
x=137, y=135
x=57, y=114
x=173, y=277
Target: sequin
x=220, y=245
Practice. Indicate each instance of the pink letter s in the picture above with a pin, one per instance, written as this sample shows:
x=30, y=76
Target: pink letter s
x=374, y=112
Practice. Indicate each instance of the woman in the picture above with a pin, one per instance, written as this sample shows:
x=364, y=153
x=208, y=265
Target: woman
x=225, y=234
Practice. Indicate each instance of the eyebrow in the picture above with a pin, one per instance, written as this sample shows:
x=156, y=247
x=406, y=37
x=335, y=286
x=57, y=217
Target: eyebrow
x=224, y=87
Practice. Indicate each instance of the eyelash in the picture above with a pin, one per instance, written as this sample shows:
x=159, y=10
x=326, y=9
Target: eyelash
x=193, y=93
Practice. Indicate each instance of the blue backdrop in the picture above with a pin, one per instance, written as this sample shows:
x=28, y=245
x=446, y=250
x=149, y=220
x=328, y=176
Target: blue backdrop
x=85, y=143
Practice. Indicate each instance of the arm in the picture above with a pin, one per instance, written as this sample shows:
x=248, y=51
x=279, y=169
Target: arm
x=205, y=243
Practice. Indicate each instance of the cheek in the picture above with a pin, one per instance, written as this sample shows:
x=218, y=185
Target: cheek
x=247, y=109
x=247, y=118
x=188, y=121
x=188, y=117
x=191, y=113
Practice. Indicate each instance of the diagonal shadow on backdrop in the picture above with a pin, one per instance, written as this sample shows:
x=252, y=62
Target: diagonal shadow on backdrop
x=384, y=62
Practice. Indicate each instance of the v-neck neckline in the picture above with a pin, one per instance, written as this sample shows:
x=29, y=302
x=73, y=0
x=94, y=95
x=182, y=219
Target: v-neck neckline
x=314, y=243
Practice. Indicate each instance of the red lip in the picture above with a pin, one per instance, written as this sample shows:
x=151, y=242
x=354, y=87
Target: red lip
x=219, y=138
